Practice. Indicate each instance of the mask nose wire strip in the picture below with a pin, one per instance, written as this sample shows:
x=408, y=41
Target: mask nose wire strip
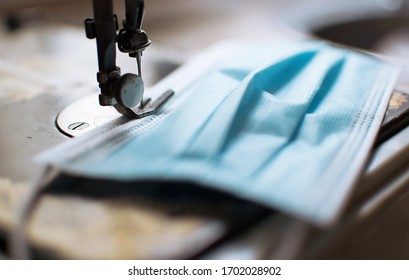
x=19, y=247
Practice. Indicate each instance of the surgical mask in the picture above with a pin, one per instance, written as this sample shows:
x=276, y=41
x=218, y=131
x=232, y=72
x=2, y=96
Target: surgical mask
x=288, y=126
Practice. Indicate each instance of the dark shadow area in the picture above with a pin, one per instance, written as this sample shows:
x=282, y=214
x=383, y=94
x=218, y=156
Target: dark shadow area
x=365, y=33
x=174, y=198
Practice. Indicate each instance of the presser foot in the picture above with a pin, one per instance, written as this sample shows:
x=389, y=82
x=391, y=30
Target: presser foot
x=146, y=107
x=86, y=114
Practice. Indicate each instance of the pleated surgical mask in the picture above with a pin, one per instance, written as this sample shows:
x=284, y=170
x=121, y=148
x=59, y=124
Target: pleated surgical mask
x=289, y=126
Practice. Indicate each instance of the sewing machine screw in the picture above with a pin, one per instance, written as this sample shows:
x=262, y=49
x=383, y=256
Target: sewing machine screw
x=78, y=126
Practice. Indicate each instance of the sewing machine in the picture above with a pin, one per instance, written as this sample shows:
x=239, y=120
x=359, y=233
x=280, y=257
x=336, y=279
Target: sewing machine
x=123, y=92
x=189, y=235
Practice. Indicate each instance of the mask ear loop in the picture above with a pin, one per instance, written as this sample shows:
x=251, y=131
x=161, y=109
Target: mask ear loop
x=19, y=247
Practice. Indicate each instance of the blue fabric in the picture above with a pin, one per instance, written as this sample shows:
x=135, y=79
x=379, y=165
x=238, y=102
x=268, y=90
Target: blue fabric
x=289, y=127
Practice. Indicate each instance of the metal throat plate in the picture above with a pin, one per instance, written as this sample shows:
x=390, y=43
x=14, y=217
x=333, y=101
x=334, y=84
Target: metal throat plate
x=86, y=114
x=83, y=115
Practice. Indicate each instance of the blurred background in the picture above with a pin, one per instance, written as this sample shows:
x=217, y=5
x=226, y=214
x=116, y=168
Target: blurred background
x=178, y=21
x=211, y=19
x=186, y=26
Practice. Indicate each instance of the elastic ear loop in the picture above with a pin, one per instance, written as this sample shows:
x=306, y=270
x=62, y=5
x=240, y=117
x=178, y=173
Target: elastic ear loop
x=19, y=247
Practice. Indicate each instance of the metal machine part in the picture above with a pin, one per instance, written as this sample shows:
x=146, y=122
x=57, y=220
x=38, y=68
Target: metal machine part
x=121, y=91
x=84, y=115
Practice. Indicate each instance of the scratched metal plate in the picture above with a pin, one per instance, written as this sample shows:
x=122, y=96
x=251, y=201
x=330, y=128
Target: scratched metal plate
x=83, y=115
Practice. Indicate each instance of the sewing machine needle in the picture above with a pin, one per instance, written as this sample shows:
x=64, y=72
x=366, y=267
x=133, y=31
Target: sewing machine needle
x=138, y=62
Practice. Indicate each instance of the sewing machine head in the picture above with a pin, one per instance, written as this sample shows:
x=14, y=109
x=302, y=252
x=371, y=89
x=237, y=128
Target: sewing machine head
x=121, y=91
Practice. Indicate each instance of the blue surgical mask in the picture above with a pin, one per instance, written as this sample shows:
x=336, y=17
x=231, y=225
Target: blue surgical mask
x=289, y=126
